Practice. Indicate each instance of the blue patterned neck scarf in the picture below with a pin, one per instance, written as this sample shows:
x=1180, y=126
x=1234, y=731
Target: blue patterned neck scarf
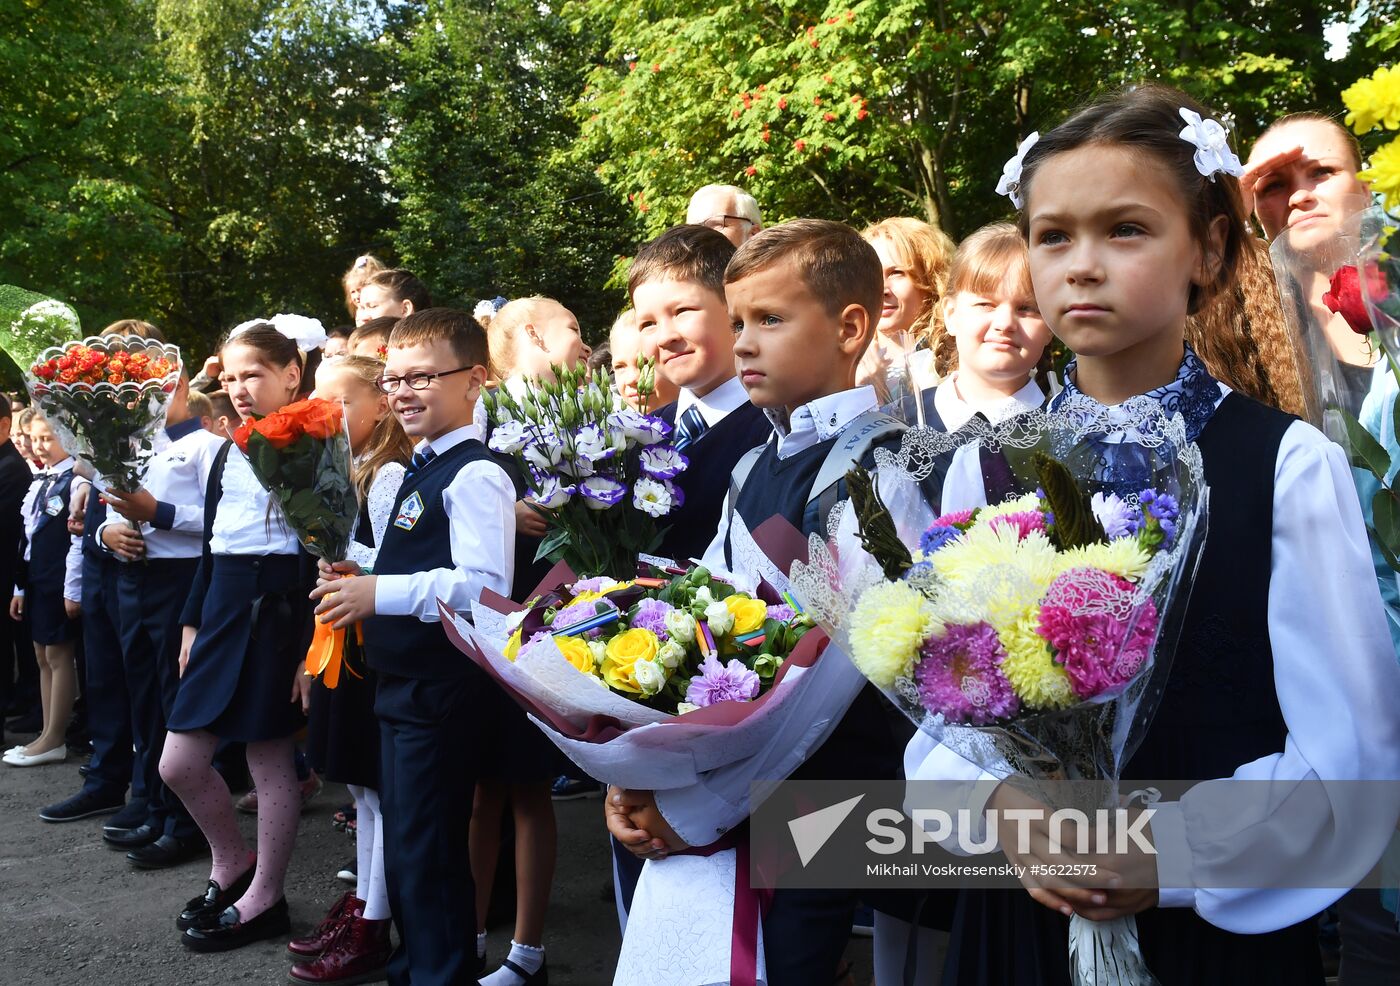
x=1194, y=393
x=1123, y=465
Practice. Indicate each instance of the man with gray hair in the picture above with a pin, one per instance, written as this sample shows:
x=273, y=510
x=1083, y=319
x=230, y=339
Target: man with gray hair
x=728, y=210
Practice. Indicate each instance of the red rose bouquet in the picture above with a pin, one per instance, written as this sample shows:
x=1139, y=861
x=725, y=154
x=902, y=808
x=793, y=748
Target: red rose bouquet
x=301, y=455
x=107, y=398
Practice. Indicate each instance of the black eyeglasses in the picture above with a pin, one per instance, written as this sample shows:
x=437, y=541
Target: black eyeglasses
x=415, y=381
x=722, y=221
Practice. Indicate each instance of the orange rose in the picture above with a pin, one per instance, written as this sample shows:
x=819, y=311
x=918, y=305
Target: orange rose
x=318, y=417
x=241, y=434
x=280, y=429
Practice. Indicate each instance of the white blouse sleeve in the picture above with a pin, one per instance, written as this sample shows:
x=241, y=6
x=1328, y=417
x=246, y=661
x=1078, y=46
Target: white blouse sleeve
x=382, y=494
x=1338, y=687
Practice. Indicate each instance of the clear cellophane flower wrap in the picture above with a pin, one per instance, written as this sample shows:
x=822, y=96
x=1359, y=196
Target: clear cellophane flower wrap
x=620, y=741
x=107, y=397
x=1037, y=662
x=1338, y=284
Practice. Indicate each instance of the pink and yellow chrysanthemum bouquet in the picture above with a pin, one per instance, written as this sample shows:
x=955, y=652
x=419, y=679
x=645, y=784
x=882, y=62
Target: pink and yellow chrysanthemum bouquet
x=1022, y=590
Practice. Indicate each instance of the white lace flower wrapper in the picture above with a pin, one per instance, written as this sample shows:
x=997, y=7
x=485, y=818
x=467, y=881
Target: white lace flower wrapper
x=1010, y=184
x=1212, y=141
x=1127, y=449
x=112, y=418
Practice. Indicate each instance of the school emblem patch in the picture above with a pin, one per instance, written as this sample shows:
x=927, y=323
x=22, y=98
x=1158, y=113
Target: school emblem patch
x=409, y=512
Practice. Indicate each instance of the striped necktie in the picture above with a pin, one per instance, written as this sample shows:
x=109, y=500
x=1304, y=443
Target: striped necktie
x=690, y=427
x=420, y=459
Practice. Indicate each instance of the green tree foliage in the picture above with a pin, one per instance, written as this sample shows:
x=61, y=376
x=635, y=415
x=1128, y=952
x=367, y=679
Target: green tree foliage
x=197, y=162
x=858, y=110
x=490, y=203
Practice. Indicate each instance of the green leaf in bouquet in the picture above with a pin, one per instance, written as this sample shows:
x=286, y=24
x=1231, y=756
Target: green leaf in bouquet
x=1363, y=449
x=556, y=540
x=876, y=528
x=1385, y=525
x=1075, y=523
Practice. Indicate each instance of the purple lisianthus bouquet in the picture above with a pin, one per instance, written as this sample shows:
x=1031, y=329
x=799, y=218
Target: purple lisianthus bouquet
x=603, y=472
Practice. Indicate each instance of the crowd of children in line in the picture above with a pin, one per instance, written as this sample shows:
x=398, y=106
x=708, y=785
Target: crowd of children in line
x=774, y=348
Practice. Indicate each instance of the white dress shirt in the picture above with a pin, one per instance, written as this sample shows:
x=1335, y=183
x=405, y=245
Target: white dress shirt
x=1338, y=687
x=178, y=477
x=956, y=411
x=480, y=505
x=383, y=492
x=73, y=562
x=714, y=406
x=247, y=521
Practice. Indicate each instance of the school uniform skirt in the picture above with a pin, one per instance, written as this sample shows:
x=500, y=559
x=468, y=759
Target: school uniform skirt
x=342, y=736
x=48, y=619
x=517, y=751
x=254, y=631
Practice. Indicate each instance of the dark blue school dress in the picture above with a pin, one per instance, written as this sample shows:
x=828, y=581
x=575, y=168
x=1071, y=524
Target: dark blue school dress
x=254, y=621
x=1219, y=710
x=49, y=542
x=342, y=733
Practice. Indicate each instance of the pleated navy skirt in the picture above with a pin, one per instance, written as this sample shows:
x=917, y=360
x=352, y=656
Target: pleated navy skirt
x=254, y=631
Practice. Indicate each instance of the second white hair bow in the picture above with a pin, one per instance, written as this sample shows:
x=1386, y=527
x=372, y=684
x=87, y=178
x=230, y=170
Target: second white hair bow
x=1010, y=184
x=307, y=333
x=1213, y=154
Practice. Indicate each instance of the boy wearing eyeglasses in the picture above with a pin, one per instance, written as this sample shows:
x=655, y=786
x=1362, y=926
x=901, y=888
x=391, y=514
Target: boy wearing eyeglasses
x=452, y=534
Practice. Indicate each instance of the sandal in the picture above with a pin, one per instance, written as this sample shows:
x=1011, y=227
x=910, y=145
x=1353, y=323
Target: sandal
x=344, y=815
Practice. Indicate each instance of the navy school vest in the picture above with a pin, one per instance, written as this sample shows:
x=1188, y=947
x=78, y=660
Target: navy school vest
x=49, y=544
x=1219, y=708
x=419, y=539
x=705, y=483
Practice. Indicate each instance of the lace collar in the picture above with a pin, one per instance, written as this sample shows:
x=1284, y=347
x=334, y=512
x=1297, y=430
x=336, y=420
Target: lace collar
x=1194, y=394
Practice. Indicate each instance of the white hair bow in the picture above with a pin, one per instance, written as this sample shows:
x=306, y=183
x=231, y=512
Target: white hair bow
x=1212, y=141
x=307, y=333
x=1010, y=184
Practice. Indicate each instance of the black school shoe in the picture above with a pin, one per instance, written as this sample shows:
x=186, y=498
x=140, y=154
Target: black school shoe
x=204, y=909
x=84, y=804
x=134, y=814
x=127, y=839
x=168, y=851
x=229, y=931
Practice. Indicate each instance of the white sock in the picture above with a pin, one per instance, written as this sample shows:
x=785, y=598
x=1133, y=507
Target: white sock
x=481, y=944
x=527, y=957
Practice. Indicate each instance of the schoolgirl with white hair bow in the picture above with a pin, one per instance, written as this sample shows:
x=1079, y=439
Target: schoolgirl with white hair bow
x=247, y=624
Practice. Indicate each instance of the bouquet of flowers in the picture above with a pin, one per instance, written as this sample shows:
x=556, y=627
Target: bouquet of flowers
x=674, y=644
x=1030, y=636
x=301, y=455
x=745, y=664
x=106, y=397
x=603, y=472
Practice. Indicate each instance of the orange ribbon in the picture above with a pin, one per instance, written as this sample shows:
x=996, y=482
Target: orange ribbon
x=326, y=656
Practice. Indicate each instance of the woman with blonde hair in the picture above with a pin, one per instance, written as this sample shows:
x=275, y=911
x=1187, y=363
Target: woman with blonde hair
x=915, y=257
